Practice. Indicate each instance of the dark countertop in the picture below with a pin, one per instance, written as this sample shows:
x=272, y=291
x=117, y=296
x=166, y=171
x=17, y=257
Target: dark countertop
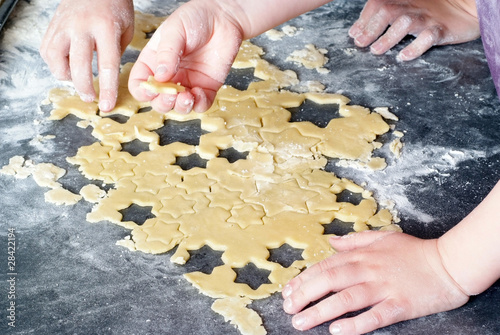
x=73, y=279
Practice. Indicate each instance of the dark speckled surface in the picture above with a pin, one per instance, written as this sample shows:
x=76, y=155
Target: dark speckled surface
x=73, y=279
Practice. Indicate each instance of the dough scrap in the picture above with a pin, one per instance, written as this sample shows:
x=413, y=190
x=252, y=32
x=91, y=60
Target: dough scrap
x=92, y=193
x=234, y=310
x=310, y=58
x=281, y=182
x=61, y=196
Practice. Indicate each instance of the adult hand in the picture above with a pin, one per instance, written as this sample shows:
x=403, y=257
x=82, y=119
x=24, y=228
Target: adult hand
x=80, y=27
x=195, y=47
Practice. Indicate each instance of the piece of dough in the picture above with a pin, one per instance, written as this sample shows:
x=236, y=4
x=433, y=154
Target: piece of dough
x=234, y=310
x=92, y=193
x=165, y=88
x=61, y=196
x=310, y=58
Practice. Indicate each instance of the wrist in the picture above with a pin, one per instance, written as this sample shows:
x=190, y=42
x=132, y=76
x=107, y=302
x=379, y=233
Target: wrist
x=470, y=251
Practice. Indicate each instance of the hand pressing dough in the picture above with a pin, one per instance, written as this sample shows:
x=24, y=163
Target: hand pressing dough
x=280, y=194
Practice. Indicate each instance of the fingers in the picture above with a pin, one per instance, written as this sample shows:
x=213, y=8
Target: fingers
x=161, y=57
x=202, y=99
x=168, y=42
x=349, y=300
x=373, y=28
x=394, y=34
x=332, y=280
x=327, y=269
x=424, y=41
x=80, y=60
x=182, y=102
x=108, y=63
x=56, y=56
x=369, y=10
x=381, y=315
x=383, y=24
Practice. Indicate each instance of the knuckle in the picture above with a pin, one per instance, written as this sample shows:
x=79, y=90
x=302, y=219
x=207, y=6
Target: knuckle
x=376, y=318
x=345, y=298
x=405, y=20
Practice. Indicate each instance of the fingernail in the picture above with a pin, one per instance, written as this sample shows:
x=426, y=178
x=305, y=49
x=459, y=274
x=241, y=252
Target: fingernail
x=105, y=105
x=189, y=106
x=161, y=69
x=287, y=291
x=169, y=98
x=87, y=97
x=375, y=48
x=150, y=94
x=287, y=305
x=299, y=321
x=360, y=40
x=354, y=31
x=335, y=329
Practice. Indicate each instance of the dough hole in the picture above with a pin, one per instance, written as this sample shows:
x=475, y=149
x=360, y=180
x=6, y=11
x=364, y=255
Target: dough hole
x=137, y=214
x=338, y=227
x=318, y=114
x=188, y=132
x=252, y=276
x=241, y=78
x=120, y=118
x=204, y=260
x=135, y=147
x=145, y=109
x=350, y=197
x=232, y=155
x=189, y=162
x=285, y=255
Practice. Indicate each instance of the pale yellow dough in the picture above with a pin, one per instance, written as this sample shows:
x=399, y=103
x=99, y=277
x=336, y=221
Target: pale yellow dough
x=61, y=196
x=310, y=58
x=157, y=87
x=92, y=193
x=280, y=194
x=234, y=310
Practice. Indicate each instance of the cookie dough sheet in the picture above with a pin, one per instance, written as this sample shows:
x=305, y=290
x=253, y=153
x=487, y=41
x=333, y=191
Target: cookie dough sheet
x=72, y=278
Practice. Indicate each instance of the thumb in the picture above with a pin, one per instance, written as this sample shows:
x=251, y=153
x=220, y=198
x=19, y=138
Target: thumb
x=169, y=43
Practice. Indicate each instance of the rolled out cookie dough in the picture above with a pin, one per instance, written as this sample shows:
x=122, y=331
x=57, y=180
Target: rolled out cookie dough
x=278, y=194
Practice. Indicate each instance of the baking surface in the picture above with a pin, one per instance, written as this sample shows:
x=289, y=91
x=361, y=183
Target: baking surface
x=72, y=278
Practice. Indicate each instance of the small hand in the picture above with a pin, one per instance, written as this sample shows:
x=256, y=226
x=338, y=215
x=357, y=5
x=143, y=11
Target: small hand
x=77, y=29
x=399, y=276
x=386, y=22
x=195, y=47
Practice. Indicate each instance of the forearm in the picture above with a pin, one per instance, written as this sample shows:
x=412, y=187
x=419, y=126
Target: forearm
x=471, y=250
x=257, y=16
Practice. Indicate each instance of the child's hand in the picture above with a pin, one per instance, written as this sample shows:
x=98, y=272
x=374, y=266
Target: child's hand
x=401, y=277
x=77, y=29
x=432, y=22
x=195, y=47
